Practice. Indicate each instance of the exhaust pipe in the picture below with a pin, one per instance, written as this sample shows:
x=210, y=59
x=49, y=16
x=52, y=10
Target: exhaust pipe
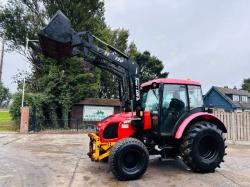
x=58, y=39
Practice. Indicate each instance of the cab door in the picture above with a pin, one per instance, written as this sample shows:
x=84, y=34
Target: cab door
x=174, y=105
x=151, y=104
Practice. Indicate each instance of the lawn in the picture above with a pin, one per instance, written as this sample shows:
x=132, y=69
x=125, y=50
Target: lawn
x=6, y=123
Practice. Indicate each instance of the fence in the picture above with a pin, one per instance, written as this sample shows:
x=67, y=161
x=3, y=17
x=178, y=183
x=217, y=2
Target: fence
x=237, y=124
x=60, y=125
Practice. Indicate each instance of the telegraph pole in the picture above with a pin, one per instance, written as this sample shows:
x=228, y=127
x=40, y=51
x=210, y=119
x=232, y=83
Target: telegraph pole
x=1, y=59
x=24, y=125
x=26, y=53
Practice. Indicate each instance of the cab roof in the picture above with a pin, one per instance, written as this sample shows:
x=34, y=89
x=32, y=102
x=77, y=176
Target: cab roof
x=171, y=81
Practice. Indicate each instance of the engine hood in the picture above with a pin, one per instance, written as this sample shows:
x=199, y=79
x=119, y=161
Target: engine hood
x=116, y=127
x=124, y=115
x=116, y=118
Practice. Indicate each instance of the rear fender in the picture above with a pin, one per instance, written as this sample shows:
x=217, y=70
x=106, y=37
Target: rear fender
x=199, y=116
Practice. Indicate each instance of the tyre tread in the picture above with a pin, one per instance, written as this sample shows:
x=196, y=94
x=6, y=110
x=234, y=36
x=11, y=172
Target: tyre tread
x=115, y=149
x=186, y=146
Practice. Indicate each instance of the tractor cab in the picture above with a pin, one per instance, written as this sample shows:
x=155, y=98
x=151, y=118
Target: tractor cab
x=169, y=101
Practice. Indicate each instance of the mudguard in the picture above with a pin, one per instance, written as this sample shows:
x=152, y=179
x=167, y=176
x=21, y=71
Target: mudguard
x=200, y=116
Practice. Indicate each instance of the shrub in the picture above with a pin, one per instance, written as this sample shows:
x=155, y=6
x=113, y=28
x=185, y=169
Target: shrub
x=36, y=103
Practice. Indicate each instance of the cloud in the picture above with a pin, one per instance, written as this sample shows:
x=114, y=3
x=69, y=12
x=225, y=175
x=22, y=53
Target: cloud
x=204, y=40
x=208, y=41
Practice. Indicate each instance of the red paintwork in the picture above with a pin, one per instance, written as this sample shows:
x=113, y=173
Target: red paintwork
x=185, y=123
x=122, y=132
x=170, y=81
x=123, y=117
x=147, y=120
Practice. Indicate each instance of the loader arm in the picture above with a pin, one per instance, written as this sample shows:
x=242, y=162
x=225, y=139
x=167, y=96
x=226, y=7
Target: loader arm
x=59, y=41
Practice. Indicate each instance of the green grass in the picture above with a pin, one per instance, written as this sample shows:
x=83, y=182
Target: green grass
x=6, y=123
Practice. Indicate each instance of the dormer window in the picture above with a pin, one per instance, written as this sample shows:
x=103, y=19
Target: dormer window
x=236, y=98
x=244, y=98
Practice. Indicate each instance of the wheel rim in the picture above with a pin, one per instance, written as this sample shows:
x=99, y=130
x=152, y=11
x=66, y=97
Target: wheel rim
x=131, y=161
x=208, y=148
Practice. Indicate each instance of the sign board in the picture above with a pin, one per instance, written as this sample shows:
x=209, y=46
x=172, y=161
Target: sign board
x=96, y=113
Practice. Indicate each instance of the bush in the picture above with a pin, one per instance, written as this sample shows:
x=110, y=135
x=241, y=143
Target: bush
x=5, y=96
x=36, y=103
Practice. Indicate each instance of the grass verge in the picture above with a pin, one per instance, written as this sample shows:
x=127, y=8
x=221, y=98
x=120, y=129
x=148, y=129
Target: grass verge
x=6, y=122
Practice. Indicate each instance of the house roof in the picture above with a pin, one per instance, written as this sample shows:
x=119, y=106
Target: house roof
x=100, y=102
x=228, y=91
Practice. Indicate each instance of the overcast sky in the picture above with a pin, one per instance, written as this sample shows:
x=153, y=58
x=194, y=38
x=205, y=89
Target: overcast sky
x=207, y=41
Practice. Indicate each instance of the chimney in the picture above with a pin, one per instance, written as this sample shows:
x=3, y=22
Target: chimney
x=235, y=88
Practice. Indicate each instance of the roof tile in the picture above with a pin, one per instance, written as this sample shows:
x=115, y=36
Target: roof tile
x=228, y=91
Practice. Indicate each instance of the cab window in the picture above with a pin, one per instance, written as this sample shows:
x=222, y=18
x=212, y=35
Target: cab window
x=195, y=96
x=173, y=93
x=150, y=100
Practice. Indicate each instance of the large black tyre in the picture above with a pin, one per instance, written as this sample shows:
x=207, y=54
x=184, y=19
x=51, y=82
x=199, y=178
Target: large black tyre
x=128, y=159
x=203, y=147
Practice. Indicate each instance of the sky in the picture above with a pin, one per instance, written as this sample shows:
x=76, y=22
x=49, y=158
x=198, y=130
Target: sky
x=206, y=41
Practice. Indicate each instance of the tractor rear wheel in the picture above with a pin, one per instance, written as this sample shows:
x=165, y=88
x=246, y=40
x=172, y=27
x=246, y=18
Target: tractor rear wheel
x=203, y=147
x=128, y=159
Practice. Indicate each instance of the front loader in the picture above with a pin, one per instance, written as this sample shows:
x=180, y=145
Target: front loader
x=163, y=117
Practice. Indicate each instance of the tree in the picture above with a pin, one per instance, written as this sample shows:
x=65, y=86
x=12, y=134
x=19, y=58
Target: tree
x=36, y=100
x=246, y=84
x=109, y=83
x=150, y=66
x=5, y=96
x=64, y=83
x=21, y=18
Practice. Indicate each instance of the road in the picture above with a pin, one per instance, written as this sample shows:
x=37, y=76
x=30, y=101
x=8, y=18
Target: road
x=61, y=160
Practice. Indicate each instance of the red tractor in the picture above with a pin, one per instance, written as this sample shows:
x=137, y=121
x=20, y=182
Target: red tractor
x=163, y=117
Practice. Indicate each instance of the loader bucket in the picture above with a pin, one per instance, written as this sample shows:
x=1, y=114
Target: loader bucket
x=56, y=38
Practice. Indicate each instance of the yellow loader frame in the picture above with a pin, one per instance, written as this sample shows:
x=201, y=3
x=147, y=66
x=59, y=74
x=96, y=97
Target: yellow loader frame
x=97, y=149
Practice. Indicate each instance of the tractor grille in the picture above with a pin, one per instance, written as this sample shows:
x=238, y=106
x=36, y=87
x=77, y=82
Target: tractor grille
x=111, y=131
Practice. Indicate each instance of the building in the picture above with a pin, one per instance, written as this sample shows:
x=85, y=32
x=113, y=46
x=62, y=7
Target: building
x=92, y=110
x=228, y=99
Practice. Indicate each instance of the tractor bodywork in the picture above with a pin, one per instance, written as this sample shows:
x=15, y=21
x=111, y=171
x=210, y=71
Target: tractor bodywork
x=125, y=124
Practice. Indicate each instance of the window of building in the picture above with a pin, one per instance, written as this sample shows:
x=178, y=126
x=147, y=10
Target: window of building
x=236, y=98
x=244, y=98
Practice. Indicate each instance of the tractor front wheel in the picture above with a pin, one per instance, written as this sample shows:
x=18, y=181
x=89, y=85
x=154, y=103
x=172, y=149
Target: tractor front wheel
x=203, y=147
x=128, y=159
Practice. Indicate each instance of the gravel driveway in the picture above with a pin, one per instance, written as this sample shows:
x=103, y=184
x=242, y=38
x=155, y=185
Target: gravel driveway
x=61, y=160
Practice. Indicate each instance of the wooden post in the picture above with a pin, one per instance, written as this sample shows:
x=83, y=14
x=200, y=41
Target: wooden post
x=233, y=126
x=24, y=126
